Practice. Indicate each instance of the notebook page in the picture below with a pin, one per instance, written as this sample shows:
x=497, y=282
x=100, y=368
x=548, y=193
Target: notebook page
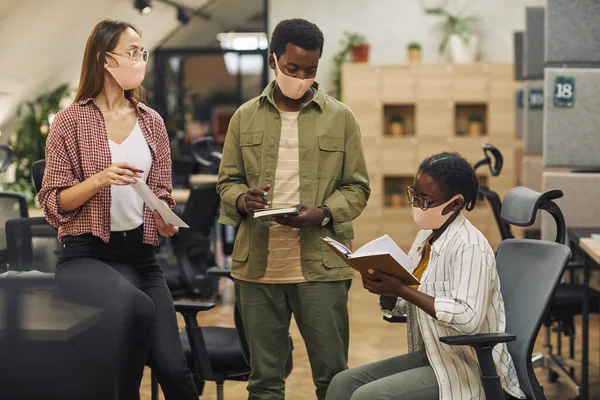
x=385, y=244
x=343, y=249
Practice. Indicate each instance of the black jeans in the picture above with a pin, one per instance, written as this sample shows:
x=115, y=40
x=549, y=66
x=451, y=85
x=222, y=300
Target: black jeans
x=123, y=278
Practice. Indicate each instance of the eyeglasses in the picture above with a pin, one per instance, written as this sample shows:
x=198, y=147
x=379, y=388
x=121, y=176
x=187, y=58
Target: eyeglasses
x=135, y=54
x=422, y=203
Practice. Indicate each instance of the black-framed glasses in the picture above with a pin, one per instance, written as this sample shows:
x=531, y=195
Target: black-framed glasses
x=421, y=202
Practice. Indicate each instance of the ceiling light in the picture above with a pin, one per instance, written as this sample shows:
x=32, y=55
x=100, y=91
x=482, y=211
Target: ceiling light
x=144, y=6
x=248, y=64
x=183, y=16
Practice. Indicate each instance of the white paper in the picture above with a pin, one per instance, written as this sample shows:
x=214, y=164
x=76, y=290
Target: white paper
x=343, y=249
x=385, y=245
x=154, y=203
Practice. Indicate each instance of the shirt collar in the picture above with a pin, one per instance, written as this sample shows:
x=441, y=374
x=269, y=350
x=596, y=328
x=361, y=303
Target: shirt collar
x=136, y=103
x=318, y=98
x=440, y=244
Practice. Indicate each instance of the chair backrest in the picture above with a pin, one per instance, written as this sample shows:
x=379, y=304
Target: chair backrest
x=6, y=156
x=202, y=208
x=37, y=170
x=12, y=205
x=32, y=244
x=529, y=271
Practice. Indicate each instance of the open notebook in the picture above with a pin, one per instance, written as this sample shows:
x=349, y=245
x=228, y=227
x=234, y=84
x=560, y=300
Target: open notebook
x=382, y=254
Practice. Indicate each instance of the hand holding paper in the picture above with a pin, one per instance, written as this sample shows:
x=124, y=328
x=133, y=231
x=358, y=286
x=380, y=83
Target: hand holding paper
x=156, y=204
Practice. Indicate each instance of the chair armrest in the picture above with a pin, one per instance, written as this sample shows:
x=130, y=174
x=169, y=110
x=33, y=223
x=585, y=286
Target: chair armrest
x=192, y=308
x=216, y=271
x=394, y=320
x=481, y=340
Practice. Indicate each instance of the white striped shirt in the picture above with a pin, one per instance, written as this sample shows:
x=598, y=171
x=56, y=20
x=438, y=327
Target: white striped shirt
x=462, y=277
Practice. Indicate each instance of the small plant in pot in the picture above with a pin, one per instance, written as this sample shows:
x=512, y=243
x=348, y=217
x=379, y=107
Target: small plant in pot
x=355, y=44
x=396, y=196
x=396, y=125
x=475, y=125
x=414, y=52
x=458, y=36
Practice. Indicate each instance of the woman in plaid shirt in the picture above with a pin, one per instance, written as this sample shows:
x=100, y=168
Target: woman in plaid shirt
x=96, y=149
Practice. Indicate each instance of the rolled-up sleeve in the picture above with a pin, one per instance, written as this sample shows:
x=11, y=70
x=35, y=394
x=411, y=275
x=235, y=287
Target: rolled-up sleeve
x=349, y=200
x=464, y=309
x=232, y=176
x=163, y=188
x=399, y=310
x=58, y=173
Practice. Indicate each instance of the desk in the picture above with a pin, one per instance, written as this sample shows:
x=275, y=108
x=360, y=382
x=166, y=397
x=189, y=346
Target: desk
x=199, y=179
x=586, y=248
x=181, y=195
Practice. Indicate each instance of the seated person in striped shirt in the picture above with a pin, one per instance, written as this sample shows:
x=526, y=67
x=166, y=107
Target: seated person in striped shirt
x=459, y=294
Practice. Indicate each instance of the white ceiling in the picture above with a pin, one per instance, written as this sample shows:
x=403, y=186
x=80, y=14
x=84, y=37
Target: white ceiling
x=42, y=41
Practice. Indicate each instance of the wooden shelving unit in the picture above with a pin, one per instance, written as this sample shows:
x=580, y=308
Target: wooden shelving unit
x=434, y=104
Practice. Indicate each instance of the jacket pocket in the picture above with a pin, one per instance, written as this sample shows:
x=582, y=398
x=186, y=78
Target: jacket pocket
x=330, y=259
x=251, y=145
x=331, y=157
x=241, y=247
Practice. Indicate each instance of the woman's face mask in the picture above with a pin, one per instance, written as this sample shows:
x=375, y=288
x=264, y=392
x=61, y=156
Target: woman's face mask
x=129, y=74
x=432, y=218
x=292, y=88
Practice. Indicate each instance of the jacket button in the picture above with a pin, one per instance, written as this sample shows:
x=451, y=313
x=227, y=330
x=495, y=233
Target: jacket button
x=277, y=117
x=249, y=140
x=335, y=145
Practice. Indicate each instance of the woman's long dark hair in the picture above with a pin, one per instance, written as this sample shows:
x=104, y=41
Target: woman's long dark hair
x=104, y=37
x=454, y=175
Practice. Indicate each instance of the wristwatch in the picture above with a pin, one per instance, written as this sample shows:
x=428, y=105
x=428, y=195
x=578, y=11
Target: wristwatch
x=327, y=213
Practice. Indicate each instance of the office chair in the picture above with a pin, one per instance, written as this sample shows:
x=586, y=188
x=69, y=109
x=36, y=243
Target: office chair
x=214, y=353
x=493, y=158
x=567, y=299
x=12, y=205
x=182, y=167
x=192, y=247
x=6, y=156
x=202, y=152
x=529, y=271
x=37, y=172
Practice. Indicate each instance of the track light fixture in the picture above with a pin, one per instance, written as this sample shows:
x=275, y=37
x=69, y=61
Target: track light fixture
x=183, y=15
x=144, y=6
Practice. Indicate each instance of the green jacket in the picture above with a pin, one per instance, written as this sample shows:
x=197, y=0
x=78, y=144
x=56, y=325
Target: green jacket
x=332, y=172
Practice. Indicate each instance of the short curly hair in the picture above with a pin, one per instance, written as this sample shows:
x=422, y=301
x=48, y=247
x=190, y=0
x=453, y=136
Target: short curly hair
x=299, y=32
x=454, y=175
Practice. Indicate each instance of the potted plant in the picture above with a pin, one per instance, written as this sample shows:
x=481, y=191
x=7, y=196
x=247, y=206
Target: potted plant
x=475, y=125
x=459, y=36
x=396, y=196
x=396, y=125
x=355, y=44
x=414, y=52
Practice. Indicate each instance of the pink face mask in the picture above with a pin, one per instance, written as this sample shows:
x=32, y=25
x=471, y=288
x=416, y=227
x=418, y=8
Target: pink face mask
x=292, y=88
x=432, y=218
x=129, y=75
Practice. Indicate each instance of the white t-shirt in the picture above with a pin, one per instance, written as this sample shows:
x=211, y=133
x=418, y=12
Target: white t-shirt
x=126, y=207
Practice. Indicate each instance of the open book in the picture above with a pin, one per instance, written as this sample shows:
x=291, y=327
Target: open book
x=273, y=212
x=382, y=254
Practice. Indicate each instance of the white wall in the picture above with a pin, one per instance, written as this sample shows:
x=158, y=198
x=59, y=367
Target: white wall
x=391, y=24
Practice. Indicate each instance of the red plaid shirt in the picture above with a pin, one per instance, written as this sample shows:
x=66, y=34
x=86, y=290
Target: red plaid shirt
x=77, y=148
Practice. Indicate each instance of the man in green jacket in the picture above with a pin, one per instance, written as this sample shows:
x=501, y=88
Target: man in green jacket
x=293, y=146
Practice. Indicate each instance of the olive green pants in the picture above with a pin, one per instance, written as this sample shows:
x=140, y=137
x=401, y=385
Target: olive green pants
x=321, y=313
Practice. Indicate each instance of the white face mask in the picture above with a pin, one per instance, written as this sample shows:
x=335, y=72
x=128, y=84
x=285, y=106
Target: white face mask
x=292, y=88
x=432, y=218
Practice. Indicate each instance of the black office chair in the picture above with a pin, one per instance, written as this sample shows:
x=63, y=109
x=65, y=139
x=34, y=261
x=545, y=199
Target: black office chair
x=182, y=167
x=12, y=205
x=6, y=156
x=202, y=152
x=529, y=271
x=37, y=171
x=216, y=354
x=493, y=158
